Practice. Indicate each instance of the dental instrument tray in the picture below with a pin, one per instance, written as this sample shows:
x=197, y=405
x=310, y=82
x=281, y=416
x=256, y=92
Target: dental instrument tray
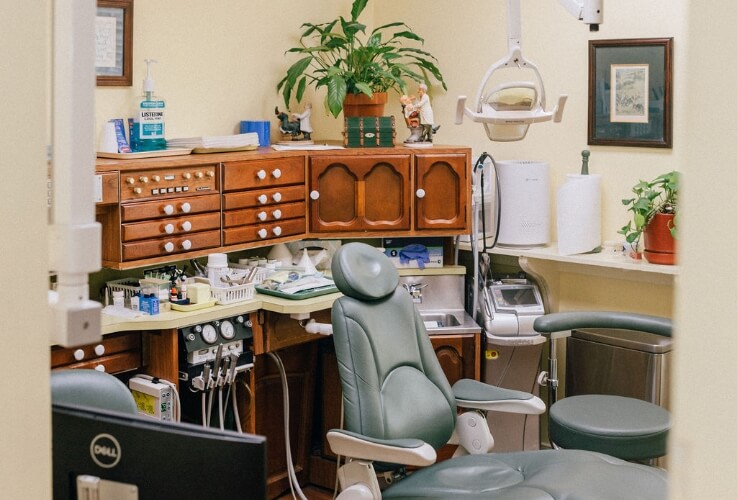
x=300, y=295
x=295, y=286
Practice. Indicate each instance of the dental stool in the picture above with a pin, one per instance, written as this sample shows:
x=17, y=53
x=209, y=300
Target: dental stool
x=623, y=427
x=91, y=388
x=399, y=408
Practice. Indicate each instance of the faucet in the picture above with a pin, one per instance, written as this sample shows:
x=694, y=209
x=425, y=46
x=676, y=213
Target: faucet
x=415, y=291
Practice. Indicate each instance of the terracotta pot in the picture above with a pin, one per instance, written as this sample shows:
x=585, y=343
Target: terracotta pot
x=363, y=105
x=660, y=246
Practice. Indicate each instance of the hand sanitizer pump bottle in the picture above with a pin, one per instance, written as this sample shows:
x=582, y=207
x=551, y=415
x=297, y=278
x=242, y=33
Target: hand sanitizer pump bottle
x=147, y=133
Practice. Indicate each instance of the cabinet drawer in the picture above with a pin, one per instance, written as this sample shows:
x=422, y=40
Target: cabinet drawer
x=173, y=226
x=263, y=173
x=109, y=345
x=170, y=245
x=115, y=363
x=258, y=215
x=260, y=197
x=171, y=207
x=265, y=231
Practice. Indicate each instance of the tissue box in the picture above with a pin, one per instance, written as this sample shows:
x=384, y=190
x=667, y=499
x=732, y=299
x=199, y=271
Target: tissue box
x=433, y=246
x=198, y=293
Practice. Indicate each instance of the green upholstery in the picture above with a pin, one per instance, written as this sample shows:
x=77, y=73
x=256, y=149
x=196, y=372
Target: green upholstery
x=626, y=428
x=394, y=388
x=91, y=388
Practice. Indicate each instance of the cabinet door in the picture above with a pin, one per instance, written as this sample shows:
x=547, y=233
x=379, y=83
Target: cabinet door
x=458, y=356
x=441, y=191
x=357, y=193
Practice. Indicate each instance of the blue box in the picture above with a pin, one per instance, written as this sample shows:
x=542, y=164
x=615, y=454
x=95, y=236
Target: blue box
x=261, y=127
x=408, y=252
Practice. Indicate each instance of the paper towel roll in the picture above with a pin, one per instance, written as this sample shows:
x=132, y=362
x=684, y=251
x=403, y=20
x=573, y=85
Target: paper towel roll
x=579, y=214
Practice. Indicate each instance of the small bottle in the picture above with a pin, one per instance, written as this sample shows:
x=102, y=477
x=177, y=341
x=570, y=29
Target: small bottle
x=118, y=298
x=147, y=130
x=174, y=294
x=135, y=302
x=154, y=304
x=183, y=290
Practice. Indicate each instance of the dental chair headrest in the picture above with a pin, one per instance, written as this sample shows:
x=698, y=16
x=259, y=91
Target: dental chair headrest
x=362, y=272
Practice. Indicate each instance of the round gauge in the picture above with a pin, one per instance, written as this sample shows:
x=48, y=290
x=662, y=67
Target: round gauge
x=227, y=330
x=209, y=334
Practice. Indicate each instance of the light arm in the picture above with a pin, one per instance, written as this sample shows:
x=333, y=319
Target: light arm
x=590, y=12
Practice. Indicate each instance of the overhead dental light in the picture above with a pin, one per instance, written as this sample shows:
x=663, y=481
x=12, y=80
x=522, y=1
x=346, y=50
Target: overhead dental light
x=508, y=108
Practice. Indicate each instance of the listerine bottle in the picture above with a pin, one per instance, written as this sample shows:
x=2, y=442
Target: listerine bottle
x=147, y=133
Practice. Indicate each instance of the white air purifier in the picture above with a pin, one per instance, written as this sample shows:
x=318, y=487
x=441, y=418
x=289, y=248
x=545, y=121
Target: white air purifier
x=524, y=188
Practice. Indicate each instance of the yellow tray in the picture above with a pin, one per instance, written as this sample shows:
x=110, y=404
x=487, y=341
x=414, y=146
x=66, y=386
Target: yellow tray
x=192, y=307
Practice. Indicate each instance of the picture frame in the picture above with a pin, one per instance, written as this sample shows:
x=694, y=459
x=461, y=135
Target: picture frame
x=114, y=43
x=630, y=92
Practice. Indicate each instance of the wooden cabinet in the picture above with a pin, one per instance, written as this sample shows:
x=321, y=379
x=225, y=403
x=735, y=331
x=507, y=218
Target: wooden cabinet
x=359, y=193
x=459, y=355
x=441, y=182
x=115, y=353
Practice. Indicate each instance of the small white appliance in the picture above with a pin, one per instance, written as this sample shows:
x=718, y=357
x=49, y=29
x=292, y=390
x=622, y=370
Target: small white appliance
x=524, y=188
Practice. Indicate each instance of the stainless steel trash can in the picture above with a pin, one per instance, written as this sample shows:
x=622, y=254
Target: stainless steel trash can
x=620, y=363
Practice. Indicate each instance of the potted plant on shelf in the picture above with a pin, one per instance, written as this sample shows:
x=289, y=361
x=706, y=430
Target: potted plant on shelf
x=340, y=56
x=654, y=208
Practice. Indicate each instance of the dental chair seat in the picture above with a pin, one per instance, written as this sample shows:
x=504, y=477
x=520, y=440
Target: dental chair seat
x=627, y=428
x=83, y=387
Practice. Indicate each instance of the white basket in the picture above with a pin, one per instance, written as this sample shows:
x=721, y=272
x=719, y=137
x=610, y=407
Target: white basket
x=124, y=286
x=261, y=272
x=231, y=294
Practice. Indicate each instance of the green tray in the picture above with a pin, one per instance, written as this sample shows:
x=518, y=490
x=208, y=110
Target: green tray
x=304, y=294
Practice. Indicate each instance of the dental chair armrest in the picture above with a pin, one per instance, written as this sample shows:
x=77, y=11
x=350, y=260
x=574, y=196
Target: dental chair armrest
x=558, y=322
x=477, y=395
x=400, y=451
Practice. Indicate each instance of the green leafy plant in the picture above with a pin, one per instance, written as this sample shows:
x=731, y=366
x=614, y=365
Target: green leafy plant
x=340, y=56
x=657, y=196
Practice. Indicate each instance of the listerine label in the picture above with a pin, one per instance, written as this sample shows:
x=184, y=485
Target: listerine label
x=151, y=119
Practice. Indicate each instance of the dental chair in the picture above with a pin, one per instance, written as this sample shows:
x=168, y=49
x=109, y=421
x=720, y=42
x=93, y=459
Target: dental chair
x=624, y=427
x=91, y=388
x=399, y=408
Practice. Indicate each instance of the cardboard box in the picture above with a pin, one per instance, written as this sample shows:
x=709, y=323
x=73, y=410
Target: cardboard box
x=407, y=252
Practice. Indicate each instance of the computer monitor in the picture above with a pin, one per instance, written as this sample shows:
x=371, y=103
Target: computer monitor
x=162, y=460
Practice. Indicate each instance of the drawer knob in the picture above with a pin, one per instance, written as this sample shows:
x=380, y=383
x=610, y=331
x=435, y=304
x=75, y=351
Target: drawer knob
x=276, y=213
x=186, y=225
x=261, y=216
x=186, y=207
x=276, y=173
x=79, y=354
x=262, y=199
x=261, y=174
x=156, y=178
x=262, y=233
x=199, y=175
x=169, y=228
x=315, y=194
x=100, y=368
x=211, y=173
x=276, y=197
x=186, y=244
x=168, y=209
x=143, y=179
x=99, y=349
x=187, y=175
x=130, y=180
x=169, y=246
x=276, y=231
x=137, y=190
x=420, y=193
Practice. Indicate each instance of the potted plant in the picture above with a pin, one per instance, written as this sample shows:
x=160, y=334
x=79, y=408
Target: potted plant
x=654, y=208
x=340, y=56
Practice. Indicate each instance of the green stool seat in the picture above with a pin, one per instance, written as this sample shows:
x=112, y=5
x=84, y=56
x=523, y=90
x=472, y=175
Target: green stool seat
x=627, y=428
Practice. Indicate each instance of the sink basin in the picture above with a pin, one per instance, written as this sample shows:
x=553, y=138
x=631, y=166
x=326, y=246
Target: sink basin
x=439, y=320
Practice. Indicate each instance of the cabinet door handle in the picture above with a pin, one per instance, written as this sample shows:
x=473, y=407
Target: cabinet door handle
x=79, y=354
x=186, y=244
x=261, y=174
x=276, y=213
x=276, y=231
x=186, y=207
x=186, y=225
x=314, y=194
x=420, y=193
x=261, y=216
x=276, y=197
x=276, y=173
x=168, y=209
x=100, y=368
x=169, y=228
x=262, y=199
x=99, y=349
x=262, y=233
x=169, y=246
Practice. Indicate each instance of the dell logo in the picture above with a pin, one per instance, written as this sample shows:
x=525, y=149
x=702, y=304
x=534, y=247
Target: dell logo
x=105, y=451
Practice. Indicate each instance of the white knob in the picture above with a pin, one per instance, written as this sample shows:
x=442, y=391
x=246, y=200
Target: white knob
x=315, y=194
x=168, y=209
x=100, y=368
x=79, y=354
x=186, y=207
x=276, y=213
x=261, y=174
x=130, y=180
x=169, y=246
x=420, y=193
x=137, y=190
x=169, y=228
x=276, y=173
x=262, y=233
x=186, y=225
x=261, y=216
x=276, y=231
x=262, y=199
x=276, y=197
x=99, y=349
x=186, y=244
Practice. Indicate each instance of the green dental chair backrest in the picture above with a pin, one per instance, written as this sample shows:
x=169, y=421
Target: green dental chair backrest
x=91, y=388
x=390, y=360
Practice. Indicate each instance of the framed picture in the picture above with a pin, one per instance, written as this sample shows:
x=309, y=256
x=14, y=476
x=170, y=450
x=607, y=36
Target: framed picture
x=630, y=92
x=114, y=42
